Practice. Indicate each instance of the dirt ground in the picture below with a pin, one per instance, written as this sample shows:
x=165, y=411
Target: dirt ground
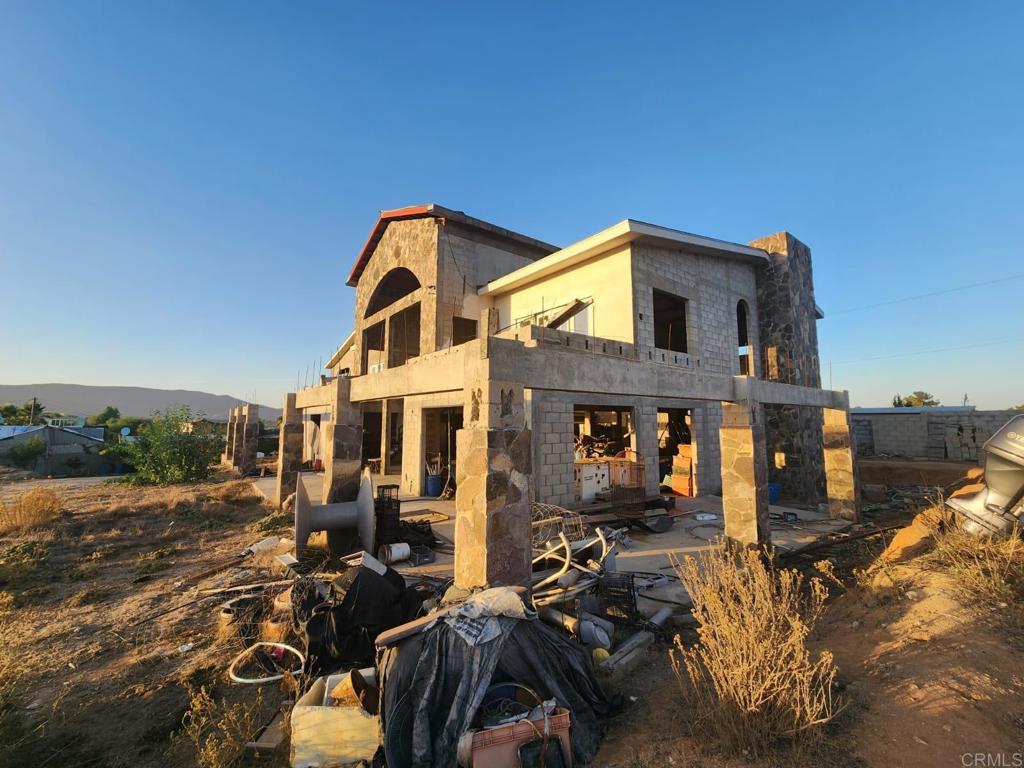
x=927, y=674
x=928, y=677
x=99, y=683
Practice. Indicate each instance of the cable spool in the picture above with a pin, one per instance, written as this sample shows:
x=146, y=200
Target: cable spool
x=356, y=514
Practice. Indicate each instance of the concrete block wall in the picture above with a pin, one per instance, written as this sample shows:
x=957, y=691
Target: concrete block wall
x=923, y=434
x=468, y=259
x=707, y=421
x=551, y=420
x=414, y=436
x=903, y=434
x=712, y=286
x=553, y=475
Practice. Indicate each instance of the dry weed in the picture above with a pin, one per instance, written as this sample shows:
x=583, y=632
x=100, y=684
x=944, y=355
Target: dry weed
x=750, y=680
x=986, y=571
x=30, y=510
x=219, y=732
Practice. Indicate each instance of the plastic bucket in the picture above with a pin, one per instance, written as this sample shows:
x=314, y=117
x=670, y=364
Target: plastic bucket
x=774, y=492
x=435, y=484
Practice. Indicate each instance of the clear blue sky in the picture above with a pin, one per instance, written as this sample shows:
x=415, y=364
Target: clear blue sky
x=184, y=185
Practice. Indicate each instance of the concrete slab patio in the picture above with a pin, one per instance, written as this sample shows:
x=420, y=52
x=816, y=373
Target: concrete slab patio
x=693, y=532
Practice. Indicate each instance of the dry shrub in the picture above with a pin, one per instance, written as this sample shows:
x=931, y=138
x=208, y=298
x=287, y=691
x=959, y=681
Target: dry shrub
x=750, y=680
x=986, y=572
x=219, y=732
x=30, y=510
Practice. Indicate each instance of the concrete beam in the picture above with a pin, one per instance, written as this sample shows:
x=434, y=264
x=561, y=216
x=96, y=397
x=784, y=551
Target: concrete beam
x=751, y=390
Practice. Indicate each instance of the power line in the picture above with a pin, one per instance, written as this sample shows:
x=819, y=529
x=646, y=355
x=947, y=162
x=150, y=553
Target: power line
x=926, y=295
x=931, y=351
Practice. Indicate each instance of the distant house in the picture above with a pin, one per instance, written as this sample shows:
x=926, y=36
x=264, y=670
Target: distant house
x=69, y=450
x=64, y=421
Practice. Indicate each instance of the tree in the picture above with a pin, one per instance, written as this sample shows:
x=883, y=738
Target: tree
x=920, y=399
x=1017, y=408
x=24, y=415
x=104, y=417
x=163, y=452
x=897, y=401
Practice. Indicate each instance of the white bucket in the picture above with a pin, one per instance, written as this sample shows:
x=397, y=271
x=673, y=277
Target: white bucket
x=394, y=553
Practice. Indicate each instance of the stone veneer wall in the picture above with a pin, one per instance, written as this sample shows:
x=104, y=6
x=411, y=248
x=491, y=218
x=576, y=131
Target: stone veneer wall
x=411, y=244
x=787, y=322
x=492, y=499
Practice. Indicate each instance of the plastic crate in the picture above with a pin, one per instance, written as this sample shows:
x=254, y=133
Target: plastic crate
x=616, y=599
x=387, y=509
x=499, y=747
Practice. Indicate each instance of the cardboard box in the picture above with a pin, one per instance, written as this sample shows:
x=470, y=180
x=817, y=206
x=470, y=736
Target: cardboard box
x=327, y=735
x=682, y=484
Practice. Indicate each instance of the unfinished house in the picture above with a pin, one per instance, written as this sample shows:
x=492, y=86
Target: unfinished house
x=638, y=357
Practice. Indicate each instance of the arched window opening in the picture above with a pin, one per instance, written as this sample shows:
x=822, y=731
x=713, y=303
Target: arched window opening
x=743, y=349
x=396, y=284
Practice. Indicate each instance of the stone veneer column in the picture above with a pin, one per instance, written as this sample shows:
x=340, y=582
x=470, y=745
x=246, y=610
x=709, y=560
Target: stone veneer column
x=250, y=431
x=229, y=434
x=840, y=477
x=788, y=335
x=237, y=437
x=744, y=476
x=342, y=441
x=492, y=497
x=289, y=450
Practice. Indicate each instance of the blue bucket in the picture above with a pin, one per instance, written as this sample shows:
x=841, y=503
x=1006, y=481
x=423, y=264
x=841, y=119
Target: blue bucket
x=435, y=484
x=774, y=492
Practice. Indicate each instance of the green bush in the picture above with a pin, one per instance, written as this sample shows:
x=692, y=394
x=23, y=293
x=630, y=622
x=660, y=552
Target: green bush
x=165, y=451
x=24, y=454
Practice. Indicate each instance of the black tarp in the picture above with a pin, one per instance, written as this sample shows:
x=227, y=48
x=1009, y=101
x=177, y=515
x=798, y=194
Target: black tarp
x=433, y=683
x=339, y=632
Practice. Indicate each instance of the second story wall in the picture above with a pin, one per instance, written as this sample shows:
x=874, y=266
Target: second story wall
x=604, y=280
x=406, y=245
x=467, y=259
x=712, y=288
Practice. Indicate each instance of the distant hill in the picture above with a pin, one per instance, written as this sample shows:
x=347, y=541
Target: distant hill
x=82, y=400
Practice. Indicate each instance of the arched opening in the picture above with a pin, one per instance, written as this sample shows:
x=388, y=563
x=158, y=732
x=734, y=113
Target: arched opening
x=743, y=349
x=396, y=284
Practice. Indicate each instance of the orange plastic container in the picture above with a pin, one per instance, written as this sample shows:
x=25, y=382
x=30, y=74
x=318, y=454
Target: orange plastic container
x=499, y=747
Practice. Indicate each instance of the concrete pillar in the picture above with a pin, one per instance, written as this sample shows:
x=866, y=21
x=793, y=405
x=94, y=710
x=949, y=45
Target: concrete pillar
x=237, y=436
x=744, y=475
x=840, y=477
x=245, y=458
x=289, y=450
x=342, y=440
x=645, y=442
x=384, y=427
x=492, y=497
x=229, y=444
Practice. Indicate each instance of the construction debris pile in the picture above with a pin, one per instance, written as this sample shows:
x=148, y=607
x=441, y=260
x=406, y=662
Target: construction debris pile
x=400, y=668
